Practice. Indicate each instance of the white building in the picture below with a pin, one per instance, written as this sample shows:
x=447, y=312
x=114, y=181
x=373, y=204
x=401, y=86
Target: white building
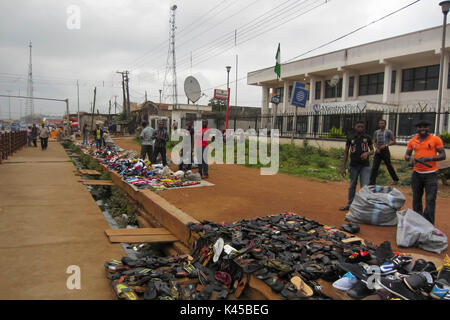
x=395, y=78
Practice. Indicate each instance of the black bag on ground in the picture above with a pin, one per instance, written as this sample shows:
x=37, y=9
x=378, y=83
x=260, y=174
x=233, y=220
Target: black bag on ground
x=376, y=205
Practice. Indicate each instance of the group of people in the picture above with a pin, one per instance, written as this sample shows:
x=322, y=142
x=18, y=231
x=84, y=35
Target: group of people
x=154, y=144
x=427, y=148
x=34, y=131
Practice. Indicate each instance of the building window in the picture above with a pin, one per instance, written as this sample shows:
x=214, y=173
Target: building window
x=422, y=78
x=370, y=84
x=290, y=92
x=333, y=92
x=351, y=84
x=318, y=89
x=393, y=81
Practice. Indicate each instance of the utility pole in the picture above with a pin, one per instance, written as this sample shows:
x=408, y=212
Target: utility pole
x=109, y=113
x=78, y=103
x=124, y=103
x=128, y=94
x=29, y=103
x=115, y=104
x=9, y=104
x=93, y=109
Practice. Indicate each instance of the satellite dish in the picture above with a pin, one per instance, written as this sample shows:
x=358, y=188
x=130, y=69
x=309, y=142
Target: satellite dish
x=192, y=89
x=334, y=81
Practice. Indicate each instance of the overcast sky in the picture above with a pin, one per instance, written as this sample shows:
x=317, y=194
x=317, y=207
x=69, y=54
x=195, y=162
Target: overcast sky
x=116, y=35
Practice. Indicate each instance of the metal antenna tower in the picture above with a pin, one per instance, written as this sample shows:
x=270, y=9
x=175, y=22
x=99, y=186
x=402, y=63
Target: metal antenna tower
x=29, y=104
x=171, y=62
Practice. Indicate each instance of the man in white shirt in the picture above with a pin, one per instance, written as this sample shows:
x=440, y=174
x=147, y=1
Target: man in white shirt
x=147, y=141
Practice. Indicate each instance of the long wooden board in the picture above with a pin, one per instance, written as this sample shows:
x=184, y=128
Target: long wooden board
x=137, y=232
x=97, y=182
x=143, y=239
x=90, y=172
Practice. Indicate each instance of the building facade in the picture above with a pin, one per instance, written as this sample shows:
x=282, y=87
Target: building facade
x=395, y=79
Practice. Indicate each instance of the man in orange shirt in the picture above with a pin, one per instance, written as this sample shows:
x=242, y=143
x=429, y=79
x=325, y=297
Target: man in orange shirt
x=427, y=149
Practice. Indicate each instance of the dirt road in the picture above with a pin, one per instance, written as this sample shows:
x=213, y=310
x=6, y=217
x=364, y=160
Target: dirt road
x=242, y=193
x=50, y=222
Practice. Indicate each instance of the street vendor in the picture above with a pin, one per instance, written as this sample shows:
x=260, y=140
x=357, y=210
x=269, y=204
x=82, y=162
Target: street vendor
x=427, y=150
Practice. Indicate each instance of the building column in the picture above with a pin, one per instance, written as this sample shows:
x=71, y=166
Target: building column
x=345, y=84
x=444, y=93
x=264, y=106
x=398, y=84
x=286, y=100
x=387, y=82
x=312, y=90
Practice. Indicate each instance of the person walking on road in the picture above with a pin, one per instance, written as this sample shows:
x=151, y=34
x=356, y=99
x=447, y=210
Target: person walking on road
x=34, y=134
x=202, y=144
x=43, y=136
x=147, y=141
x=85, y=135
x=29, y=138
x=427, y=150
x=361, y=148
x=382, y=140
x=161, y=137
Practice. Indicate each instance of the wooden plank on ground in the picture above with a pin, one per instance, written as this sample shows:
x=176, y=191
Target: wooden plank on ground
x=137, y=232
x=97, y=182
x=143, y=239
x=90, y=172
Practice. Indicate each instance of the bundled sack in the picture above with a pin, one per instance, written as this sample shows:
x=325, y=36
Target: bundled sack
x=413, y=230
x=376, y=205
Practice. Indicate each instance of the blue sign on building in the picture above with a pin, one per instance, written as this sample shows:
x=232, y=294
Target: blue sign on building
x=299, y=95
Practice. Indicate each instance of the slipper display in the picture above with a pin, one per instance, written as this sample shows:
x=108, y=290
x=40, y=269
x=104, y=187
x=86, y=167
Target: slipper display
x=287, y=252
x=137, y=172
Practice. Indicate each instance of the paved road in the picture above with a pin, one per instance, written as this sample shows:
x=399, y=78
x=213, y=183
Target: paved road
x=49, y=221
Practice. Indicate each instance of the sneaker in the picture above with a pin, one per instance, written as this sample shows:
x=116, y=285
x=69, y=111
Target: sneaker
x=399, y=288
x=444, y=275
x=440, y=292
x=346, y=282
x=384, y=252
x=419, y=281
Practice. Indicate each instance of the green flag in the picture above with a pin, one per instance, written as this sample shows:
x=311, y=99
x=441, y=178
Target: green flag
x=278, y=65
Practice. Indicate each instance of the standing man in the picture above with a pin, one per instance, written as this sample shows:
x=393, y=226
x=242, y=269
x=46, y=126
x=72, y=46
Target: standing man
x=85, y=135
x=183, y=165
x=43, y=136
x=161, y=137
x=98, y=134
x=34, y=134
x=29, y=136
x=382, y=139
x=361, y=147
x=427, y=150
x=202, y=157
x=147, y=141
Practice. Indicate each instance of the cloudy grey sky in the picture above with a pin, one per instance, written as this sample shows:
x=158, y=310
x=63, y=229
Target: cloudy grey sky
x=134, y=35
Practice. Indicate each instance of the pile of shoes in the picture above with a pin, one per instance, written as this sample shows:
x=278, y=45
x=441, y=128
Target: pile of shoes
x=288, y=252
x=137, y=172
x=394, y=276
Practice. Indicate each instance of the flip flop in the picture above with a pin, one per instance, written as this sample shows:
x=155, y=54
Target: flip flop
x=218, y=248
x=123, y=291
x=302, y=287
x=241, y=285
